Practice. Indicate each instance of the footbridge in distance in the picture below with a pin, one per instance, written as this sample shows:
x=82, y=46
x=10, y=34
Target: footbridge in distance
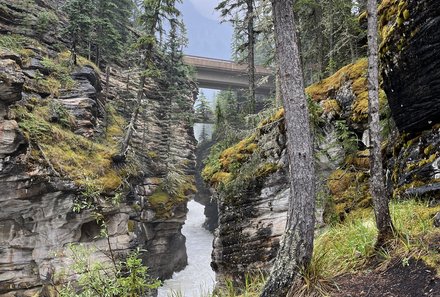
x=223, y=75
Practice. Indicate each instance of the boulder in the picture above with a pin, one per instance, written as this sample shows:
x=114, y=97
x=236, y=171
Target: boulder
x=10, y=137
x=11, y=81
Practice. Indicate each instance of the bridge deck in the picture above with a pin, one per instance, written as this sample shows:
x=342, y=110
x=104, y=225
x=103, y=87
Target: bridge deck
x=222, y=74
x=223, y=65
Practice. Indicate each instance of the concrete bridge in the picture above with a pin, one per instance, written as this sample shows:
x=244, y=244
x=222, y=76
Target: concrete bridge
x=223, y=75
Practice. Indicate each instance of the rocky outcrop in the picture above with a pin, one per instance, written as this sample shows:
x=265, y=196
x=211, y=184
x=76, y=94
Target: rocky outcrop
x=413, y=166
x=410, y=61
x=252, y=183
x=11, y=80
x=204, y=194
x=409, y=56
x=59, y=127
x=252, y=220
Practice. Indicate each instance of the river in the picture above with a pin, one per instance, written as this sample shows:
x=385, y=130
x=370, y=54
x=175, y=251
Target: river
x=197, y=279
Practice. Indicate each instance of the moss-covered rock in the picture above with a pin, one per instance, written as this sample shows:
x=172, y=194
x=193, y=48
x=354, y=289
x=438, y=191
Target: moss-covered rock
x=413, y=166
x=410, y=61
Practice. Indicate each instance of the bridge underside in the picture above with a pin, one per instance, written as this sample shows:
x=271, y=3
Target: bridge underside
x=212, y=79
x=226, y=75
x=224, y=81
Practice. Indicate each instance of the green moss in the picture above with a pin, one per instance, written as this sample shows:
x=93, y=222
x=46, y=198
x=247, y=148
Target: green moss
x=152, y=155
x=221, y=177
x=278, y=115
x=238, y=153
x=17, y=43
x=331, y=105
x=75, y=157
x=159, y=198
x=428, y=149
x=421, y=163
x=357, y=74
x=349, y=192
x=392, y=17
x=320, y=91
x=266, y=169
x=131, y=225
x=115, y=126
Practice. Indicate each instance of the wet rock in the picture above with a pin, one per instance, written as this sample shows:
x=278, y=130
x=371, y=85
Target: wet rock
x=8, y=55
x=413, y=166
x=410, y=62
x=11, y=81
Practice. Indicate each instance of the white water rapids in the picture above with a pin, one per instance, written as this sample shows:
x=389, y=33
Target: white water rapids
x=197, y=279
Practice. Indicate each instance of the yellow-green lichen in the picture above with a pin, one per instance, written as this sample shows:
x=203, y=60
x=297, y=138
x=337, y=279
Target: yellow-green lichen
x=73, y=156
x=392, y=16
x=349, y=191
x=331, y=106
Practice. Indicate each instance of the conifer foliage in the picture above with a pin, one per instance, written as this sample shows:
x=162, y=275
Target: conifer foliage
x=98, y=29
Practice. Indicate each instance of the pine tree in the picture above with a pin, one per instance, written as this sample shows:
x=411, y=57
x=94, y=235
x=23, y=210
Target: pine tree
x=153, y=13
x=296, y=248
x=377, y=185
x=230, y=11
x=107, y=40
x=78, y=30
x=203, y=110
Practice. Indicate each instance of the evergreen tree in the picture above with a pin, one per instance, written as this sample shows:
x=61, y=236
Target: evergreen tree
x=377, y=182
x=98, y=28
x=295, y=252
x=78, y=30
x=106, y=41
x=329, y=29
x=154, y=12
x=203, y=110
x=231, y=10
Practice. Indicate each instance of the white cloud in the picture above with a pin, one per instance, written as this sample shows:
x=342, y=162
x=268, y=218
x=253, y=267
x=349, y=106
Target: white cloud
x=207, y=8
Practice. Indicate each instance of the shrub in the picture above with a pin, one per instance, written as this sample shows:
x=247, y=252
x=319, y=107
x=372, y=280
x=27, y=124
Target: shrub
x=127, y=278
x=45, y=21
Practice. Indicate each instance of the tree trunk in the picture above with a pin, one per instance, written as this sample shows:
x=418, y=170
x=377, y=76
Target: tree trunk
x=146, y=62
x=377, y=186
x=251, y=55
x=297, y=245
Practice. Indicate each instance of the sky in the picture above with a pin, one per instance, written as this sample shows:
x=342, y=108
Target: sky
x=206, y=36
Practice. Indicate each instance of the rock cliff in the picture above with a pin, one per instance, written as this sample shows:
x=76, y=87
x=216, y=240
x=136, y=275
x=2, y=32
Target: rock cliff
x=410, y=58
x=60, y=125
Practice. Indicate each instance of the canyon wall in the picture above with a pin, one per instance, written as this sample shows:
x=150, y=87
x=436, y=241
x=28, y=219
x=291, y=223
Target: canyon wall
x=60, y=127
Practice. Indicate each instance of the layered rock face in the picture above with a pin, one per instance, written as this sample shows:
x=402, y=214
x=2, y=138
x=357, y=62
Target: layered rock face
x=410, y=61
x=59, y=127
x=252, y=220
x=204, y=194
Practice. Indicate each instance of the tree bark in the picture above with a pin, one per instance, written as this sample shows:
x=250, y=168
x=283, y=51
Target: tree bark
x=297, y=244
x=251, y=55
x=377, y=186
